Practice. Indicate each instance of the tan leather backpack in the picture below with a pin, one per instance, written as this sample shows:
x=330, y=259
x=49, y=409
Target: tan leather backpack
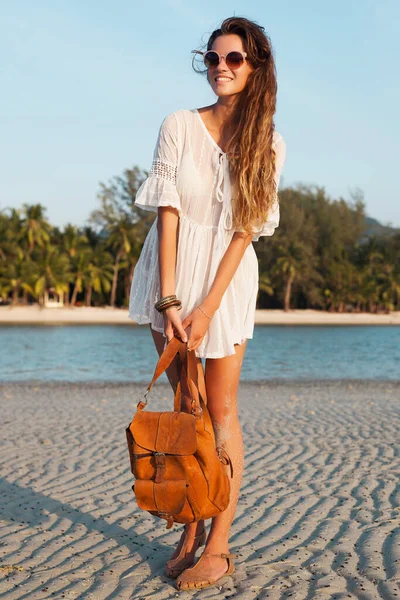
x=180, y=474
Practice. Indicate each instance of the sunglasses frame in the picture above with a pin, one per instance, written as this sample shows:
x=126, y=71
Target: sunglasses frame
x=220, y=56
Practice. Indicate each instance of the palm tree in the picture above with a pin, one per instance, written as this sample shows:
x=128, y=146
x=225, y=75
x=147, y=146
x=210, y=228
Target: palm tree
x=390, y=289
x=119, y=229
x=99, y=274
x=296, y=259
x=264, y=284
x=125, y=226
x=35, y=227
x=79, y=252
x=340, y=285
x=71, y=240
x=15, y=266
x=16, y=277
x=79, y=271
x=53, y=271
x=10, y=234
x=120, y=241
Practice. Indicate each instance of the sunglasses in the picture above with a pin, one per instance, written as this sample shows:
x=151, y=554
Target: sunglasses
x=233, y=60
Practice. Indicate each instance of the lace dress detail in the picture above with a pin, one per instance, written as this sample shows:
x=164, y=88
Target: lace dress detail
x=164, y=171
x=191, y=173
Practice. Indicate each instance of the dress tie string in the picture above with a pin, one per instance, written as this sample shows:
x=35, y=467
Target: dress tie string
x=223, y=192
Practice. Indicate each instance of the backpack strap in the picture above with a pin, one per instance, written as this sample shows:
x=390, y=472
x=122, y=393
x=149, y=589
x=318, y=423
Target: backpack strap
x=192, y=376
x=191, y=373
x=166, y=358
x=201, y=383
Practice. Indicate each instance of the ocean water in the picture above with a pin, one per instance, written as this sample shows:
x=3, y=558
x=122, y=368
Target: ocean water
x=127, y=354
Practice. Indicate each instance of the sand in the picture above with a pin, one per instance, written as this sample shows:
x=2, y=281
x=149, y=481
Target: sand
x=318, y=518
x=91, y=315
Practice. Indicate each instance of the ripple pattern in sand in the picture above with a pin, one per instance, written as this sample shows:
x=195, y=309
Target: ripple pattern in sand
x=319, y=515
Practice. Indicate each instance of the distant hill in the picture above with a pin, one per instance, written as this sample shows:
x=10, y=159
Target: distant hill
x=373, y=227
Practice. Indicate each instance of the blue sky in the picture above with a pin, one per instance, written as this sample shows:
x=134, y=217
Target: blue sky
x=85, y=86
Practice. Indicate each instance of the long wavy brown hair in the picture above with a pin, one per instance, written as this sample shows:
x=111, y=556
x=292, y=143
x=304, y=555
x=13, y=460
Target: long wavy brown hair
x=251, y=154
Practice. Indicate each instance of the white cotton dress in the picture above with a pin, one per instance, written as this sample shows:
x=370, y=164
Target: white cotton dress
x=191, y=173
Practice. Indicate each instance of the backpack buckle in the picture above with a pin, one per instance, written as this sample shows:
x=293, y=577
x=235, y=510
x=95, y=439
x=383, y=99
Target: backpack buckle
x=143, y=403
x=167, y=517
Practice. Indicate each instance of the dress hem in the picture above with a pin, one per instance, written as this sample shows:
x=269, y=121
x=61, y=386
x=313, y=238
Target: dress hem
x=144, y=320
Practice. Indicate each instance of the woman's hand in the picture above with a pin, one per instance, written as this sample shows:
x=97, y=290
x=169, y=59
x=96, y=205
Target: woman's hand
x=173, y=325
x=199, y=324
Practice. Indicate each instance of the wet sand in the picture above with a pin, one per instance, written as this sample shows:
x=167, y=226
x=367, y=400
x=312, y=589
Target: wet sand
x=318, y=518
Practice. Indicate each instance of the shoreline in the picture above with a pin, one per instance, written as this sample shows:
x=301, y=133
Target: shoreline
x=138, y=386
x=33, y=315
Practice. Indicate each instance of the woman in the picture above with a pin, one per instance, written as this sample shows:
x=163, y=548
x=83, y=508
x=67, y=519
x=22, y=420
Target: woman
x=213, y=183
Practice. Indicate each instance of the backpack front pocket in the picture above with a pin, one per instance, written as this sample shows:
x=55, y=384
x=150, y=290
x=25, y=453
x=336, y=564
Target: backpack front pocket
x=164, y=499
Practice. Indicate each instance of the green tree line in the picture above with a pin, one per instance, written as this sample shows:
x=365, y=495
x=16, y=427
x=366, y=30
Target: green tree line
x=321, y=256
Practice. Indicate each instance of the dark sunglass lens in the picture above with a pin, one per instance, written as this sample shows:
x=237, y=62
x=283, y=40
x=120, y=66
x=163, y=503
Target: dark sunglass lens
x=211, y=59
x=234, y=60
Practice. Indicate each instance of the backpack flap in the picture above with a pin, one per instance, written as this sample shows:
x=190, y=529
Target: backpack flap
x=164, y=432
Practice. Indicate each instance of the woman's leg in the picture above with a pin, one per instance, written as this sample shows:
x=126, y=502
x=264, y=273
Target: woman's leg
x=222, y=381
x=191, y=529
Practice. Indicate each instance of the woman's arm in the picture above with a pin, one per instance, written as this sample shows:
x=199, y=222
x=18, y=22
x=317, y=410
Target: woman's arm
x=167, y=229
x=226, y=269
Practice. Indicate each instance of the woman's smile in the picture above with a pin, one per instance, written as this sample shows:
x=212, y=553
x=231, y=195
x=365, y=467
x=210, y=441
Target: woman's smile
x=222, y=79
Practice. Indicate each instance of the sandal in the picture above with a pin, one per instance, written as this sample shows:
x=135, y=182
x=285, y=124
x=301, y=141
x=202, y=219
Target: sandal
x=184, y=582
x=172, y=569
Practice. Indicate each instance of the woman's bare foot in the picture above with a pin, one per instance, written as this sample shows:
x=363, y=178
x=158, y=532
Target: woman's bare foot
x=183, y=556
x=208, y=569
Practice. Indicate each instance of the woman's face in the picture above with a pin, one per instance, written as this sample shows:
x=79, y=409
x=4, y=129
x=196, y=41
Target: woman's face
x=233, y=80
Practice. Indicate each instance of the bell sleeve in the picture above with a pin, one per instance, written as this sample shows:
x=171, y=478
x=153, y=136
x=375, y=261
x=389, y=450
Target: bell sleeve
x=159, y=188
x=273, y=218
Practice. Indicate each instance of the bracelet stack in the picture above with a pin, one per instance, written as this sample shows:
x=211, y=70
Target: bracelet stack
x=167, y=302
